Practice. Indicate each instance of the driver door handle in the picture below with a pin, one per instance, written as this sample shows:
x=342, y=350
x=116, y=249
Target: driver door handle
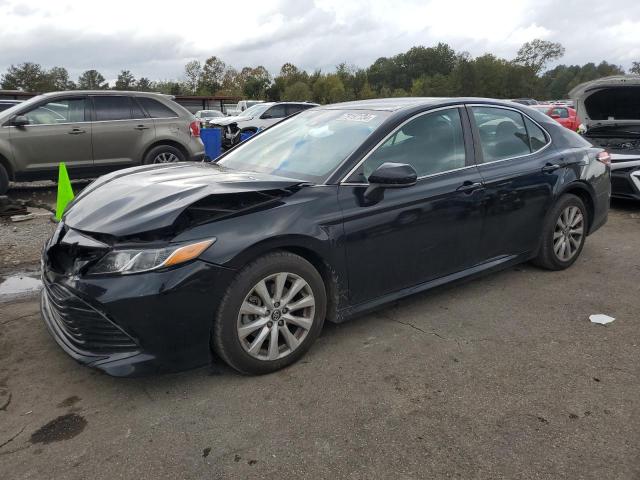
x=469, y=186
x=76, y=131
x=141, y=127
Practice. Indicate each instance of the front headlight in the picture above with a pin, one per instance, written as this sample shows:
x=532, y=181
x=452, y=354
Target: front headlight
x=143, y=260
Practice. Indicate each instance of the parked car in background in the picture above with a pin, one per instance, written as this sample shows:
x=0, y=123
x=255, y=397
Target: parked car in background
x=6, y=104
x=328, y=214
x=257, y=117
x=242, y=106
x=203, y=116
x=610, y=110
x=93, y=132
x=525, y=101
x=563, y=114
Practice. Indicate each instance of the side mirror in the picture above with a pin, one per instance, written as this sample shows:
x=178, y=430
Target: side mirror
x=389, y=175
x=20, y=121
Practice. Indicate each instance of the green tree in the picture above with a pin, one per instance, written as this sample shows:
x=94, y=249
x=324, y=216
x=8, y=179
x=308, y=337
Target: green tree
x=192, y=73
x=58, y=79
x=125, y=81
x=92, y=80
x=28, y=77
x=366, y=92
x=537, y=53
x=297, y=92
x=328, y=89
x=213, y=73
x=144, y=85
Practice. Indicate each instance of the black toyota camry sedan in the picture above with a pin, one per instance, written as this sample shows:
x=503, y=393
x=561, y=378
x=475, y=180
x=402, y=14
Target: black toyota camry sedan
x=330, y=213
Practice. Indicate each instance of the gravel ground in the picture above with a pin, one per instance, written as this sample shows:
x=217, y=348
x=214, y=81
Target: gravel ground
x=21, y=242
x=501, y=377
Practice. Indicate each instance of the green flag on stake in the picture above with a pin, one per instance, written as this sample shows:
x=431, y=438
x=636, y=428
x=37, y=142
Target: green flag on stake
x=65, y=192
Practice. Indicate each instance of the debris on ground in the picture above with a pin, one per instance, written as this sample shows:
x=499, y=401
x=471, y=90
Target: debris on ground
x=10, y=207
x=34, y=213
x=601, y=319
x=22, y=218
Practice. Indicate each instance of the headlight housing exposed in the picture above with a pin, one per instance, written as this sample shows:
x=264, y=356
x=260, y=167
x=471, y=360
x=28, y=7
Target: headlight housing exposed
x=145, y=259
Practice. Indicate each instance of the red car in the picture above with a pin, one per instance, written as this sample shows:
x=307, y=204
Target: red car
x=564, y=115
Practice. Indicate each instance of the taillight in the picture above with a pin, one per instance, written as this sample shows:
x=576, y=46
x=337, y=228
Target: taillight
x=194, y=128
x=604, y=157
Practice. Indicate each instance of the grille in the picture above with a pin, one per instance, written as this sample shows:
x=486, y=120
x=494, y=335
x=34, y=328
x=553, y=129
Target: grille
x=84, y=327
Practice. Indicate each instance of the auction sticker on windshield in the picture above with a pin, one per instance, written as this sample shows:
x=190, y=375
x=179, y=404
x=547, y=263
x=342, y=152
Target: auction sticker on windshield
x=358, y=117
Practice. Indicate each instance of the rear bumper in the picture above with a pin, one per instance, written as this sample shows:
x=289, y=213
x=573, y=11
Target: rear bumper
x=137, y=324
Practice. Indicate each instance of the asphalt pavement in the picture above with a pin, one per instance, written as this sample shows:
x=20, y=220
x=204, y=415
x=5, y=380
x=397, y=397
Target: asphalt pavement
x=501, y=377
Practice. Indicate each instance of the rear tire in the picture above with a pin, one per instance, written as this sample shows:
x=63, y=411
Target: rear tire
x=164, y=154
x=564, y=233
x=4, y=180
x=278, y=333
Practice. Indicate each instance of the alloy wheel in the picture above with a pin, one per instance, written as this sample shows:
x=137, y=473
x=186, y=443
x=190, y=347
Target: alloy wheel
x=166, y=157
x=568, y=233
x=276, y=316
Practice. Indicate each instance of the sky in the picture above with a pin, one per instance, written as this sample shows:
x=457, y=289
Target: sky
x=156, y=38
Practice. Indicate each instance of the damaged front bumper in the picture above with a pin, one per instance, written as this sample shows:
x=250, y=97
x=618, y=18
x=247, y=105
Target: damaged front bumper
x=130, y=325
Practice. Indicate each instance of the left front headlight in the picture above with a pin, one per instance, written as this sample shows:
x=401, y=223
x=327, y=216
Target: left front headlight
x=143, y=260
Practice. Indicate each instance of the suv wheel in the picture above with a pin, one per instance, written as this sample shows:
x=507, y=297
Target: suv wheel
x=271, y=314
x=564, y=234
x=164, y=154
x=4, y=180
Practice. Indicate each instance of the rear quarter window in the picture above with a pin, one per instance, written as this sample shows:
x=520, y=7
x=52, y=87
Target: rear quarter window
x=156, y=109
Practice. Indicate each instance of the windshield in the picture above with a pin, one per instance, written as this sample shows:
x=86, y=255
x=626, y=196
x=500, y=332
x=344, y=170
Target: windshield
x=308, y=146
x=255, y=111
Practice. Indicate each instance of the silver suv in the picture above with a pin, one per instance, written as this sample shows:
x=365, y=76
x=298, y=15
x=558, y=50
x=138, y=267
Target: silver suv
x=93, y=132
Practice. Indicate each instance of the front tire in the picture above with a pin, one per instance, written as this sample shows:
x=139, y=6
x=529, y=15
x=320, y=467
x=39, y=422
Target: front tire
x=4, y=180
x=271, y=314
x=564, y=233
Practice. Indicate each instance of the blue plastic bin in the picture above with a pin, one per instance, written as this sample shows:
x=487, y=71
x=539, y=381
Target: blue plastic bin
x=246, y=135
x=212, y=139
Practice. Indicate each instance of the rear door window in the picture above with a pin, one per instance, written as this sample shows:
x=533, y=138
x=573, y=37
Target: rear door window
x=156, y=109
x=112, y=107
x=136, y=110
x=502, y=133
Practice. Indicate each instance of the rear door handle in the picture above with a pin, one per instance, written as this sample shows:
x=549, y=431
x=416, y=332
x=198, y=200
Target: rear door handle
x=551, y=167
x=76, y=131
x=141, y=127
x=469, y=186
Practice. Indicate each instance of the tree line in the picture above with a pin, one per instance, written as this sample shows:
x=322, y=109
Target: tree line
x=420, y=71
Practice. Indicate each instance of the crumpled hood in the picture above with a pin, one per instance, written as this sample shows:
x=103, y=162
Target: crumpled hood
x=611, y=100
x=142, y=199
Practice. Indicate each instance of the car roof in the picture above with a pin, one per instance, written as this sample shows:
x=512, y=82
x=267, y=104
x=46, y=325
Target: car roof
x=405, y=103
x=107, y=92
x=289, y=103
